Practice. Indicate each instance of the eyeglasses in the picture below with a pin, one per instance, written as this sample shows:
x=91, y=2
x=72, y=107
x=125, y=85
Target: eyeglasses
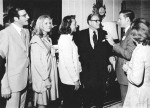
x=25, y=15
x=95, y=20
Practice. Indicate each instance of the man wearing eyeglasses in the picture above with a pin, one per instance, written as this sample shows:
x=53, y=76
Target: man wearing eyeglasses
x=14, y=46
x=94, y=53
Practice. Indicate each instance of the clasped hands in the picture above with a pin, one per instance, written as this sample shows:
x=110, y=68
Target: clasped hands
x=48, y=83
x=125, y=67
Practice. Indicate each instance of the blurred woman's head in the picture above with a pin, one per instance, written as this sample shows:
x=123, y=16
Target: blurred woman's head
x=140, y=32
x=68, y=25
x=43, y=25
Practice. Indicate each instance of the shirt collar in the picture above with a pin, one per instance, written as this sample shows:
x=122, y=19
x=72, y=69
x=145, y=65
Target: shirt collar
x=17, y=28
x=127, y=28
x=91, y=32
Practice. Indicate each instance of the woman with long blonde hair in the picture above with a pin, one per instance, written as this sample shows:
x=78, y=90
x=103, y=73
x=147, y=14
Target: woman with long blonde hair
x=42, y=65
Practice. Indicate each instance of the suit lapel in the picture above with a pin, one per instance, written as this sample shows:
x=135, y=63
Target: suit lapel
x=100, y=37
x=27, y=41
x=127, y=36
x=88, y=39
x=17, y=37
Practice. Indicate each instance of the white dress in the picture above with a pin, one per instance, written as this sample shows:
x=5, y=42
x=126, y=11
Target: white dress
x=138, y=94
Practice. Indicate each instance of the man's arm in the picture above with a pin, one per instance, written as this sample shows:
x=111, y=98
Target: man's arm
x=5, y=88
x=125, y=53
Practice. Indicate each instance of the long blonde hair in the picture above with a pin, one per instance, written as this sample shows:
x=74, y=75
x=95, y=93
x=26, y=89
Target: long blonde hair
x=39, y=25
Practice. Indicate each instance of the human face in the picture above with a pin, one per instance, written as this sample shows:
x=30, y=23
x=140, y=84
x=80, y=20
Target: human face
x=73, y=25
x=94, y=23
x=122, y=21
x=23, y=18
x=47, y=25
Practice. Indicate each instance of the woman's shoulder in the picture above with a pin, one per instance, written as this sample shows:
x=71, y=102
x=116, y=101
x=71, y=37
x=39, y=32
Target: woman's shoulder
x=142, y=50
x=35, y=38
x=64, y=37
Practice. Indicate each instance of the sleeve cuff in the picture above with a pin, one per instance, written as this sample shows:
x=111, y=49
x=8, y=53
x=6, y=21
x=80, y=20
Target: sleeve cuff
x=5, y=90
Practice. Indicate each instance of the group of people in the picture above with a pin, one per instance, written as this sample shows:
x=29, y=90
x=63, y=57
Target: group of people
x=83, y=61
x=133, y=60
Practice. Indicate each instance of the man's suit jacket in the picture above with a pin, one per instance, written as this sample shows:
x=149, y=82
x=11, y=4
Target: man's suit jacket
x=123, y=51
x=94, y=61
x=16, y=52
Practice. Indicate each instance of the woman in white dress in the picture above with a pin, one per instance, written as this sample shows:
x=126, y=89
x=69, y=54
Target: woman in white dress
x=138, y=69
x=44, y=80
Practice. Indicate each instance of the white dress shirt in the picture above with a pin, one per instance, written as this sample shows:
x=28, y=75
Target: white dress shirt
x=126, y=29
x=91, y=37
x=69, y=65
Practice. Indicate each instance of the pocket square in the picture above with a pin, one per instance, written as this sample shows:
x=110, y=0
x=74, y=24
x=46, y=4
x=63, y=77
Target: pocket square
x=103, y=40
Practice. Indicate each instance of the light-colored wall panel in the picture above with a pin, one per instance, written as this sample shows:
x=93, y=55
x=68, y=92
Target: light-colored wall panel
x=1, y=12
x=113, y=8
x=80, y=8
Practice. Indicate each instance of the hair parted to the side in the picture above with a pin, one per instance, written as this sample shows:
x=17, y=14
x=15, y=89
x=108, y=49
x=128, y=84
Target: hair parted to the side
x=39, y=25
x=128, y=13
x=140, y=31
x=65, y=24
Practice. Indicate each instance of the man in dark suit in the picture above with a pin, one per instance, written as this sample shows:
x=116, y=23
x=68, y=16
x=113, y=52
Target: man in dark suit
x=124, y=49
x=94, y=53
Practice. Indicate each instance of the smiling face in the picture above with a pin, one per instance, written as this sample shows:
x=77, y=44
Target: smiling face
x=47, y=25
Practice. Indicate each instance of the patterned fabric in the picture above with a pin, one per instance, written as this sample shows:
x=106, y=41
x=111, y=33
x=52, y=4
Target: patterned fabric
x=138, y=94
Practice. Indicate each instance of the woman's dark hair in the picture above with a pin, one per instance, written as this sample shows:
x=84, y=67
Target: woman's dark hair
x=128, y=13
x=141, y=31
x=65, y=24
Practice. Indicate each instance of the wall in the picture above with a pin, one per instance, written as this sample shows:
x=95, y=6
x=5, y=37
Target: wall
x=80, y=8
x=1, y=12
x=113, y=8
x=142, y=10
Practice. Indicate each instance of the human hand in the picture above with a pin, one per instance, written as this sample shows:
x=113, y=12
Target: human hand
x=126, y=66
x=110, y=39
x=77, y=85
x=109, y=67
x=112, y=60
x=6, y=93
x=47, y=83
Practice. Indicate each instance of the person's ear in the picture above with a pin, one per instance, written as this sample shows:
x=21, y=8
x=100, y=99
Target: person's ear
x=15, y=18
x=90, y=22
x=128, y=19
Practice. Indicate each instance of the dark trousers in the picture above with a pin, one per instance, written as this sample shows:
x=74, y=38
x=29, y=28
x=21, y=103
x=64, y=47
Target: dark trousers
x=71, y=98
x=93, y=96
x=2, y=71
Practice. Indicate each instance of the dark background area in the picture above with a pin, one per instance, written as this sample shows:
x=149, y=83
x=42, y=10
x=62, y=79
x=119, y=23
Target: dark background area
x=35, y=8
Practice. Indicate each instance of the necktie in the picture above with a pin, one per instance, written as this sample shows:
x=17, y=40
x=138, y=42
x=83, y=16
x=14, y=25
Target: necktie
x=23, y=36
x=94, y=38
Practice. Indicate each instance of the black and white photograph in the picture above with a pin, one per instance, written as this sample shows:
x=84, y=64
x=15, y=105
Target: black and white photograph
x=74, y=53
